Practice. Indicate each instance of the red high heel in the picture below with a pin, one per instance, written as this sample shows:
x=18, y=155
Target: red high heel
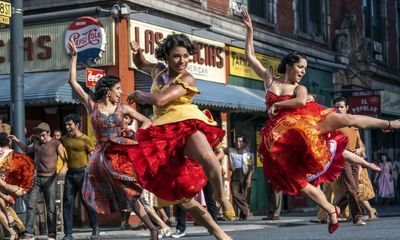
x=332, y=227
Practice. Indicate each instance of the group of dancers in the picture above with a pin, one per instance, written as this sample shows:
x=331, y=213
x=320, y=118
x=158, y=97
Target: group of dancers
x=173, y=156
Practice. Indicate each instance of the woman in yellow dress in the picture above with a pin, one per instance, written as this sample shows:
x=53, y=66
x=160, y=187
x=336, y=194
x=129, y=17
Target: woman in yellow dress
x=174, y=157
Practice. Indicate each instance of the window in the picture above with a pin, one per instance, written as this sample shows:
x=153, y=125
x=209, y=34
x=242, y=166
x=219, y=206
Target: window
x=263, y=11
x=372, y=19
x=398, y=31
x=374, y=27
x=312, y=19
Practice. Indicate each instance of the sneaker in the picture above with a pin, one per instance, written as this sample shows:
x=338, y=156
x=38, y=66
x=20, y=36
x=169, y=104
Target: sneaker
x=27, y=236
x=178, y=234
x=360, y=223
x=68, y=237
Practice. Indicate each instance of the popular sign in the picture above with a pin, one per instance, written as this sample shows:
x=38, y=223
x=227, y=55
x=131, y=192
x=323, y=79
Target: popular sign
x=208, y=63
x=89, y=37
x=365, y=105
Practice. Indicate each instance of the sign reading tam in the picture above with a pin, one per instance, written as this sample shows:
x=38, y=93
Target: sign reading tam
x=89, y=37
x=365, y=105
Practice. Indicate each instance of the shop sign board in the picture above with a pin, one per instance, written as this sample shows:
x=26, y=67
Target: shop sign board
x=5, y=12
x=89, y=37
x=240, y=67
x=208, y=63
x=44, y=47
x=365, y=105
x=93, y=75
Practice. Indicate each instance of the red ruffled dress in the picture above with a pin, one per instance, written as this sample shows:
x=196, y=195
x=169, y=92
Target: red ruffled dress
x=17, y=169
x=158, y=160
x=295, y=152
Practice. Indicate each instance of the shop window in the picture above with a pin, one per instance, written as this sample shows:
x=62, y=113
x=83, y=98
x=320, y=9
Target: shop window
x=312, y=19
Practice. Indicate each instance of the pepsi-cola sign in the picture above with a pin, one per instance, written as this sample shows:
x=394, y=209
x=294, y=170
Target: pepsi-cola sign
x=89, y=37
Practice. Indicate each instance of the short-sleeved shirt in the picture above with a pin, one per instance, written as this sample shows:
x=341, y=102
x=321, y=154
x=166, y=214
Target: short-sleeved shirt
x=46, y=157
x=351, y=134
x=78, y=149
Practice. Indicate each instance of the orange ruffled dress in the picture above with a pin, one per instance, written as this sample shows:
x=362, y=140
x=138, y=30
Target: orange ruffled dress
x=158, y=159
x=295, y=152
x=17, y=169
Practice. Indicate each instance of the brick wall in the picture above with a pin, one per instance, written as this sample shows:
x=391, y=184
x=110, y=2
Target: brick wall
x=285, y=17
x=218, y=6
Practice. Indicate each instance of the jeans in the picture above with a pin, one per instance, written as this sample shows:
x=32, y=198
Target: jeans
x=47, y=186
x=73, y=185
x=181, y=218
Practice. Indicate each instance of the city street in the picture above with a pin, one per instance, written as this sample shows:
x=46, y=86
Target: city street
x=291, y=226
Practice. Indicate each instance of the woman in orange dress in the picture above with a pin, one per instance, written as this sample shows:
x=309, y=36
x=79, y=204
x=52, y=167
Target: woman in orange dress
x=299, y=142
x=174, y=158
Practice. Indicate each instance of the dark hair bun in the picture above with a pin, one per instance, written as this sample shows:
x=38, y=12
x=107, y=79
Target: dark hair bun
x=291, y=58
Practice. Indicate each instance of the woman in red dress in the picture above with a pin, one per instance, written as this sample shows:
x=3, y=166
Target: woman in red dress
x=174, y=157
x=299, y=142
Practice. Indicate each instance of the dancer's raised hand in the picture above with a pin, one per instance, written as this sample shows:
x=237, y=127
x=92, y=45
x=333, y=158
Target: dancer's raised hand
x=247, y=20
x=72, y=48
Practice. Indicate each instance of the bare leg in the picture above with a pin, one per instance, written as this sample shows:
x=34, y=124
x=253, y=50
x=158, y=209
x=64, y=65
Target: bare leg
x=354, y=158
x=4, y=222
x=141, y=213
x=371, y=211
x=156, y=219
x=315, y=194
x=334, y=121
x=197, y=147
x=202, y=216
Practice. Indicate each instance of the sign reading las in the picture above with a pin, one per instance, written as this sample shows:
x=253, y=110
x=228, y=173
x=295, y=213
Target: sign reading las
x=5, y=12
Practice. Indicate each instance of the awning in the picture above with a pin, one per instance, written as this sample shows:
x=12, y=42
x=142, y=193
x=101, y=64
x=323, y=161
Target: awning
x=217, y=95
x=41, y=88
x=229, y=97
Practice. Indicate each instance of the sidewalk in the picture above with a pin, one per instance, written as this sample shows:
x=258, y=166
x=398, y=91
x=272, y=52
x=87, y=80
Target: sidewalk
x=256, y=222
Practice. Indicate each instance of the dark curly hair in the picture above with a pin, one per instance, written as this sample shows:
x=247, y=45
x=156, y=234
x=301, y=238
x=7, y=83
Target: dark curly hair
x=341, y=99
x=4, y=141
x=291, y=58
x=171, y=41
x=75, y=118
x=104, y=84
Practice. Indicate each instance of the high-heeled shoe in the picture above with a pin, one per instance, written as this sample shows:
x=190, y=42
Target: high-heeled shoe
x=164, y=232
x=372, y=214
x=332, y=227
x=19, y=192
x=227, y=209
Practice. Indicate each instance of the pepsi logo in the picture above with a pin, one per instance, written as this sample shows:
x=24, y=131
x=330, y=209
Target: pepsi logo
x=89, y=37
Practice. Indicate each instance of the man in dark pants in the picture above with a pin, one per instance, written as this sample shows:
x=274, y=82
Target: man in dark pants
x=181, y=223
x=274, y=202
x=349, y=174
x=46, y=150
x=78, y=147
x=241, y=164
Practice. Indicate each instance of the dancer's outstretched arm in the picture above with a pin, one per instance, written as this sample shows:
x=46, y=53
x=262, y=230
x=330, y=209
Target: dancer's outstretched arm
x=139, y=60
x=76, y=88
x=299, y=101
x=145, y=122
x=173, y=92
x=260, y=70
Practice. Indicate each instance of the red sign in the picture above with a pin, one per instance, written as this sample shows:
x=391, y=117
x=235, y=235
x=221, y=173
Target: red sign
x=365, y=105
x=93, y=75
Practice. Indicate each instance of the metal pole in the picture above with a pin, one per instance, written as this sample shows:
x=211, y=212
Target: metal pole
x=17, y=105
